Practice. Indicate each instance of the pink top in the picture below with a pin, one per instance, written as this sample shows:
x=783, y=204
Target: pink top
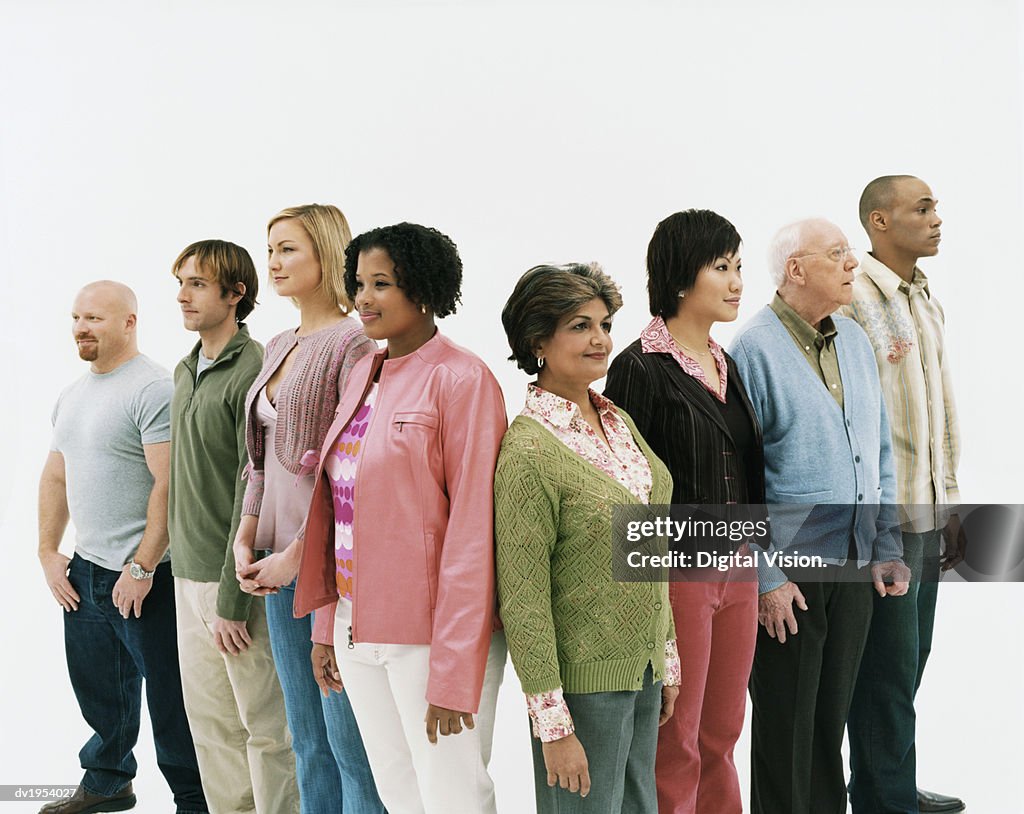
x=656, y=338
x=423, y=517
x=285, y=496
x=621, y=459
x=340, y=466
x=306, y=398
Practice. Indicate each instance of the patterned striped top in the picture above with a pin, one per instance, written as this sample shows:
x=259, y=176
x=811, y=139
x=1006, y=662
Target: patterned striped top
x=906, y=326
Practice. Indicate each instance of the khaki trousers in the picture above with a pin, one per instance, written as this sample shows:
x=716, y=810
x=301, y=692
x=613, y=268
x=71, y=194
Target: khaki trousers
x=235, y=710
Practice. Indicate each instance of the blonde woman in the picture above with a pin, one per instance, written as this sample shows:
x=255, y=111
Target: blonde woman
x=288, y=409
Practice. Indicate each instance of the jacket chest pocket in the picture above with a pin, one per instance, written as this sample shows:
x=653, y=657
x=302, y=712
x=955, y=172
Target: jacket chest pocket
x=414, y=422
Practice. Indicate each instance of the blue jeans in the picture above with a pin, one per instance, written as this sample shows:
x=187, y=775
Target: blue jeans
x=619, y=734
x=330, y=762
x=882, y=723
x=108, y=657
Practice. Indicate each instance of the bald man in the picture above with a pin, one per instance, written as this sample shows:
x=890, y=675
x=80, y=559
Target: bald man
x=108, y=472
x=894, y=304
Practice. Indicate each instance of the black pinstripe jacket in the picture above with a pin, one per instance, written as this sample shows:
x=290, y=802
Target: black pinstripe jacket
x=681, y=422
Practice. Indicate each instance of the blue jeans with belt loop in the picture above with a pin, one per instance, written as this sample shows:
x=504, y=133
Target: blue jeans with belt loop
x=330, y=762
x=108, y=658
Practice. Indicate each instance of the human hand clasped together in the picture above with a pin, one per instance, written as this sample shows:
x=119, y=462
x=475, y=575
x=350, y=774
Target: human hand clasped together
x=269, y=574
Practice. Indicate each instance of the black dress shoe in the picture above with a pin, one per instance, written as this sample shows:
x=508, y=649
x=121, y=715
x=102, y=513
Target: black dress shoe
x=929, y=801
x=84, y=802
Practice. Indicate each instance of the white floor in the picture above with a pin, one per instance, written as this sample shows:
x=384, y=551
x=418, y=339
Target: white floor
x=970, y=708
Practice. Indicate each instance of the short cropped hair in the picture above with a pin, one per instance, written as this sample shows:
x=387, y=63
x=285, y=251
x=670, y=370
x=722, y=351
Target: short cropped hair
x=428, y=268
x=329, y=231
x=786, y=243
x=543, y=297
x=879, y=194
x=227, y=264
x=681, y=246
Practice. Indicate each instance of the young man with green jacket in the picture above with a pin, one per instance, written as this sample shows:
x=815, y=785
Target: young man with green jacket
x=232, y=695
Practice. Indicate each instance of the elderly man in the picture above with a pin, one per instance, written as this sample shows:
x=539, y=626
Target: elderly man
x=814, y=386
x=107, y=471
x=894, y=305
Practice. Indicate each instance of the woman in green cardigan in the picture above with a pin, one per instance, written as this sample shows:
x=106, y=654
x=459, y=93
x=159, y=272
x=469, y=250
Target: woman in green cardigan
x=596, y=658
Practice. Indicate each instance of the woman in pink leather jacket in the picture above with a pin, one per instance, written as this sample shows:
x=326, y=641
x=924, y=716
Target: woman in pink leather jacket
x=400, y=528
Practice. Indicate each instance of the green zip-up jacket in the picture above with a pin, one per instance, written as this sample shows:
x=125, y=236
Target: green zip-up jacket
x=207, y=459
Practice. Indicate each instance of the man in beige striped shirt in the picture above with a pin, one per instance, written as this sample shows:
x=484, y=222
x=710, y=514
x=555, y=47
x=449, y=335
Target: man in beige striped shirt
x=893, y=303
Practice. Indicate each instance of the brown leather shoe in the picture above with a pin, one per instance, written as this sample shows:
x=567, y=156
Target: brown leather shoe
x=84, y=802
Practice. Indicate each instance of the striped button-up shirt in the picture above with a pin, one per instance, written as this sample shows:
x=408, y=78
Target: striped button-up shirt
x=906, y=327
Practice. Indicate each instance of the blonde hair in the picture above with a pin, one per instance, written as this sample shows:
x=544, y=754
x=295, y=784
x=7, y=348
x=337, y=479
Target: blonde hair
x=329, y=231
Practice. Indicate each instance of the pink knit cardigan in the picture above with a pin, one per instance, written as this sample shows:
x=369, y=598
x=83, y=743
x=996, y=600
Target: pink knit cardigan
x=306, y=398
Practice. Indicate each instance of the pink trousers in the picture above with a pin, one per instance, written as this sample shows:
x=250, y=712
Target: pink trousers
x=716, y=628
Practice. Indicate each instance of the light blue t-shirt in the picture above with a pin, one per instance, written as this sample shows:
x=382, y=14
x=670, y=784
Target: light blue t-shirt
x=100, y=425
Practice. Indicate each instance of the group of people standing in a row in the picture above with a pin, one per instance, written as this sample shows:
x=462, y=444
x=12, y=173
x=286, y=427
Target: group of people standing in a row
x=357, y=535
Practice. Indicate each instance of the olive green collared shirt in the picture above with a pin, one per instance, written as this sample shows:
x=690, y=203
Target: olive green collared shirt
x=816, y=344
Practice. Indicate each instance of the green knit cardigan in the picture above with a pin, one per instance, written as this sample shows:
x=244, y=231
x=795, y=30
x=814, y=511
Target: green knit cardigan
x=568, y=623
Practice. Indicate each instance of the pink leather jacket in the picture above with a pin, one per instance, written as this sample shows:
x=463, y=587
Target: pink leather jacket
x=424, y=514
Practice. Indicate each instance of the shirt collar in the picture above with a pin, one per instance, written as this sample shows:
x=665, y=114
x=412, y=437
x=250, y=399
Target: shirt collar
x=656, y=338
x=231, y=349
x=805, y=333
x=888, y=281
x=560, y=411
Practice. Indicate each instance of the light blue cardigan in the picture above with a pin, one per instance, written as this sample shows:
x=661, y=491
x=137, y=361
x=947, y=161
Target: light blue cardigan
x=818, y=453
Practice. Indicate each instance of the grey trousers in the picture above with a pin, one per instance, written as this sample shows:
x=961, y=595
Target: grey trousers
x=619, y=733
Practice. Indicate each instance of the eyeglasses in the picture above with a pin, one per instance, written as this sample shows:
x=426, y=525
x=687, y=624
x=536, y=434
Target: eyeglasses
x=839, y=253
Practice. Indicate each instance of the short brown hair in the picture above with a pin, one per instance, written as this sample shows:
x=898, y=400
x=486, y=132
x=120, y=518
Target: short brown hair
x=543, y=297
x=228, y=264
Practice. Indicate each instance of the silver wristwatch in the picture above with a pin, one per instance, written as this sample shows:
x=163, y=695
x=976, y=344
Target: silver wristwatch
x=138, y=572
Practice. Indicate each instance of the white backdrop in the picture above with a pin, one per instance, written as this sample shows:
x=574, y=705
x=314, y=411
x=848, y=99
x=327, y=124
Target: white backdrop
x=529, y=132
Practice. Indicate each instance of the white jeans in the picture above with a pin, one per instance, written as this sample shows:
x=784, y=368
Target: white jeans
x=387, y=686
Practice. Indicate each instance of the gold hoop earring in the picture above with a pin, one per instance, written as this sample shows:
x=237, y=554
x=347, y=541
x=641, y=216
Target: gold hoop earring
x=540, y=362
x=423, y=309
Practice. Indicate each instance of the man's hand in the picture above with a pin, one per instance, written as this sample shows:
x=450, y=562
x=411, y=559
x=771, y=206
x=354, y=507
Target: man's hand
x=55, y=569
x=231, y=636
x=449, y=721
x=775, y=610
x=956, y=543
x=266, y=576
x=325, y=668
x=668, y=704
x=893, y=572
x=129, y=592
x=566, y=763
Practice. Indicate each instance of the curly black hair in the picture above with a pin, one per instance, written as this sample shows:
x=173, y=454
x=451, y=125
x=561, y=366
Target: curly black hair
x=427, y=264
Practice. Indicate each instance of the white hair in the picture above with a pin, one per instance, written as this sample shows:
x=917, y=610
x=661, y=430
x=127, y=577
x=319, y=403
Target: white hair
x=787, y=242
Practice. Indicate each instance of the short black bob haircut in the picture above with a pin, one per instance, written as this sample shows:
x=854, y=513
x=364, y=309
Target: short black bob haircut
x=427, y=264
x=543, y=297
x=681, y=246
